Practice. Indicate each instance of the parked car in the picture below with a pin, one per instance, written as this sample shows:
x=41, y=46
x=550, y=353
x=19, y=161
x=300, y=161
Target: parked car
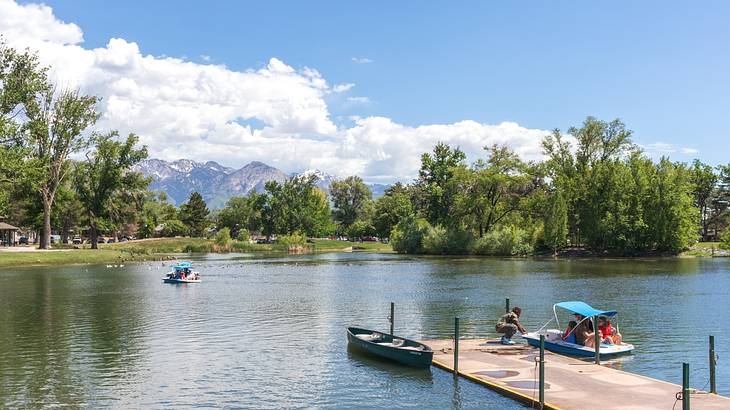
x=100, y=240
x=369, y=239
x=23, y=240
x=111, y=240
x=77, y=240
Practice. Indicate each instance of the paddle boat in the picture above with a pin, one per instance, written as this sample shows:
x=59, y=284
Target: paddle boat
x=555, y=342
x=182, y=273
x=398, y=349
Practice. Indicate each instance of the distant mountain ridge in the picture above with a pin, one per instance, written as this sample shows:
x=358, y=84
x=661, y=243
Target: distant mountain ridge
x=217, y=183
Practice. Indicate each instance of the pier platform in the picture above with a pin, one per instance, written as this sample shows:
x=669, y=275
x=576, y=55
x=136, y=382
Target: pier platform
x=569, y=383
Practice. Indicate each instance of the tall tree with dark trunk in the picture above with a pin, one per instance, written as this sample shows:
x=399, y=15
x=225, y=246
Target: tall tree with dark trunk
x=57, y=124
x=105, y=176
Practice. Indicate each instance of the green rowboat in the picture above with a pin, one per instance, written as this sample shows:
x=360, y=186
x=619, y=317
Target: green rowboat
x=398, y=349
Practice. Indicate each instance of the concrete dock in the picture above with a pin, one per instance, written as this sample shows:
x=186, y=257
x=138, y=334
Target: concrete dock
x=569, y=383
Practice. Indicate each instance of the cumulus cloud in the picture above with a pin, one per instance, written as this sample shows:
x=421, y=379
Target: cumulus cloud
x=359, y=100
x=341, y=88
x=275, y=113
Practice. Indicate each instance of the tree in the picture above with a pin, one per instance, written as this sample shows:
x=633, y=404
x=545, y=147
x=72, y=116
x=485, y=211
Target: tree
x=240, y=213
x=56, y=126
x=297, y=205
x=194, y=214
x=493, y=189
x=436, y=171
x=704, y=182
x=556, y=222
x=349, y=198
x=389, y=210
x=105, y=175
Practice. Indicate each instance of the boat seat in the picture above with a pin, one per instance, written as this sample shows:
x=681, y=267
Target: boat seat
x=368, y=337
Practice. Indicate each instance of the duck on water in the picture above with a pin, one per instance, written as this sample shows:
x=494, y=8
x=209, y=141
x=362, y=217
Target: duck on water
x=182, y=273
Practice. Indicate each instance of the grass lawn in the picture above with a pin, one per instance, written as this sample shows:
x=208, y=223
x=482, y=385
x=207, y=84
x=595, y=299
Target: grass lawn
x=322, y=245
x=73, y=256
x=158, y=248
x=706, y=249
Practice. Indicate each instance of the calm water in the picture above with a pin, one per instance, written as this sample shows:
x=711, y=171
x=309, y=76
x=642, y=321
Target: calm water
x=269, y=332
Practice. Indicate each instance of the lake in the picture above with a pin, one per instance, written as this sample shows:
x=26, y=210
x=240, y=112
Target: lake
x=268, y=331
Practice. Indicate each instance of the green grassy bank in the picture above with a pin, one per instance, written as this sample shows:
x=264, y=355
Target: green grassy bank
x=160, y=248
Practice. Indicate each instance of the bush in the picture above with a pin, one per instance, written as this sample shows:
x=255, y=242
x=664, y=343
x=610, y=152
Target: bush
x=295, y=239
x=243, y=235
x=725, y=240
x=407, y=236
x=442, y=241
x=223, y=237
x=174, y=227
x=506, y=241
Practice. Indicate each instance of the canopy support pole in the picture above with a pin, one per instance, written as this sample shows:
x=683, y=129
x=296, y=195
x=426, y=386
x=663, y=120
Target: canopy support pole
x=597, y=339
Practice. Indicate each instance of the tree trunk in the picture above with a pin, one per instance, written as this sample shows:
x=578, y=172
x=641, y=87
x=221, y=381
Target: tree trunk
x=94, y=236
x=64, y=232
x=45, y=242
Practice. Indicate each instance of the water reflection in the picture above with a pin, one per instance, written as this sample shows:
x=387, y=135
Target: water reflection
x=268, y=331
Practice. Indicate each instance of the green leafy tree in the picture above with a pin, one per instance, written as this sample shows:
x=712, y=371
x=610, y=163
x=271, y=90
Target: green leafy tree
x=174, y=227
x=408, y=235
x=105, y=175
x=297, y=205
x=241, y=214
x=433, y=194
x=493, y=189
x=194, y=214
x=350, y=198
x=556, y=222
x=389, y=210
x=704, y=182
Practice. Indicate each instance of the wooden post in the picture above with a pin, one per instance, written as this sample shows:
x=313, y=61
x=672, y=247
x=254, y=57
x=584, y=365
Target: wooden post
x=597, y=339
x=542, y=371
x=456, y=347
x=713, y=386
x=392, y=316
x=506, y=305
x=685, y=386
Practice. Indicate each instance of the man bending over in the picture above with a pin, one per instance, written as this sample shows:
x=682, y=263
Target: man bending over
x=509, y=324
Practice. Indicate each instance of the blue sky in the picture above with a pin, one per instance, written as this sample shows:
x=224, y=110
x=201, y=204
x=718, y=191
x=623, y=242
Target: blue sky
x=662, y=67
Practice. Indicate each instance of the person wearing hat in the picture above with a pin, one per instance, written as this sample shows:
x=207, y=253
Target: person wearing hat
x=509, y=324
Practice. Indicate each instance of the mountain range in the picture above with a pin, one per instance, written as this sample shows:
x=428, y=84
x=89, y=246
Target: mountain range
x=217, y=183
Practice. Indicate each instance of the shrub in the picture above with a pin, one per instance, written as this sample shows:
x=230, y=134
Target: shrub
x=174, y=227
x=725, y=240
x=223, y=237
x=407, y=236
x=243, y=235
x=506, y=241
x=442, y=241
x=297, y=238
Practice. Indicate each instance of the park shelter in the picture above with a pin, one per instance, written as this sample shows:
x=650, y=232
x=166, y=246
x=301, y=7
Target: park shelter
x=8, y=234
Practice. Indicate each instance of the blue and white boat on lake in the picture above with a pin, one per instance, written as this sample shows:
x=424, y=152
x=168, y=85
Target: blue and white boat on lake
x=182, y=272
x=555, y=342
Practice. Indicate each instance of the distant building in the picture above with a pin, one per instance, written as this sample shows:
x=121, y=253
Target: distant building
x=8, y=233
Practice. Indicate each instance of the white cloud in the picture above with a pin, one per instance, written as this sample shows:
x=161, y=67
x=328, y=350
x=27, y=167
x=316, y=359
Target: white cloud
x=205, y=58
x=659, y=149
x=183, y=109
x=359, y=100
x=341, y=88
x=361, y=60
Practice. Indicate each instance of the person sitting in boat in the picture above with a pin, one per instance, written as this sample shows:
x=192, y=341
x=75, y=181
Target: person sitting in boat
x=584, y=331
x=609, y=335
x=509, y=324
x=569, y=335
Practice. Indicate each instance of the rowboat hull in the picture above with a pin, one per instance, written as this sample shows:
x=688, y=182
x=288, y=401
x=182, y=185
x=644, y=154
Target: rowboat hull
x=172, y=280
x=410, y=353
x=570, y=349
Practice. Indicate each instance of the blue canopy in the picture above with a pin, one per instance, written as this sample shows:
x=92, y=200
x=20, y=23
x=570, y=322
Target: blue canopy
x=584, y=309
x=183, y=265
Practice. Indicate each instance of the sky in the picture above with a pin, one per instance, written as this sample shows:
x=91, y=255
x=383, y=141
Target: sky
x=366, y=87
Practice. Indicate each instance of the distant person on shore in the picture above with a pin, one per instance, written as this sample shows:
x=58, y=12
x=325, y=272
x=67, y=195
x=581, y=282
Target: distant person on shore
x=509, y=324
